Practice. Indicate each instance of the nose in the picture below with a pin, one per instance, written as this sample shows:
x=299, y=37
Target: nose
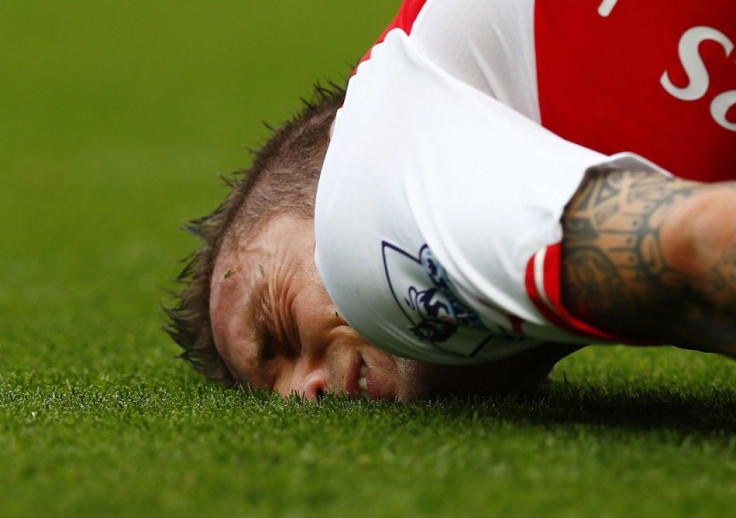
x=308, y=380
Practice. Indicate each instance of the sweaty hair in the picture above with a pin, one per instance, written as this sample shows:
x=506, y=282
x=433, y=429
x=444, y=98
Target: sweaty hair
x=281, y=180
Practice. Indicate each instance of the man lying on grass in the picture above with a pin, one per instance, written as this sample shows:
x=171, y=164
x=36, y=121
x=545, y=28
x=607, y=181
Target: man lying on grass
x=441, y=239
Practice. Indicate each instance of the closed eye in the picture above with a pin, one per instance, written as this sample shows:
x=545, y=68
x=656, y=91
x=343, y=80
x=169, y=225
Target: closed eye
x=268, y=350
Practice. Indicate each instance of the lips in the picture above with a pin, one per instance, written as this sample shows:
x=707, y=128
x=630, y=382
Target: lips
x=358, y=382
x=374, y=379
x=362, y=380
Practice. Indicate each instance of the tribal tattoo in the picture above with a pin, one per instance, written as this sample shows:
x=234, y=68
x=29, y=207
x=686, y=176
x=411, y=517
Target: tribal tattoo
x=629, y=269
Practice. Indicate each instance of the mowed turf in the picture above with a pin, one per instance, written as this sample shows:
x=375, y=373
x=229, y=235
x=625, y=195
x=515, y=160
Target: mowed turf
x=116, y=119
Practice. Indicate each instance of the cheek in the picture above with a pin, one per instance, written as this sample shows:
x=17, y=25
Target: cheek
x=314, y=312
x=414, y=379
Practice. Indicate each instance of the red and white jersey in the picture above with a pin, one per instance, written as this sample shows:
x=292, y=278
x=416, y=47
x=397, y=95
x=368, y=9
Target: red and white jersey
x=465, y=132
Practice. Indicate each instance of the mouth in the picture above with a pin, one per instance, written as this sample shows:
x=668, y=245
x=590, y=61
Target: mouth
x=358, y=384
x=363, y=380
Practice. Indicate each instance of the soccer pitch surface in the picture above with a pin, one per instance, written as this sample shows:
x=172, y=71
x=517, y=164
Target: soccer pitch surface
x=115, y=121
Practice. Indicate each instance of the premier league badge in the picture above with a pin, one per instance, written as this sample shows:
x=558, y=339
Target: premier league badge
x=425, y=295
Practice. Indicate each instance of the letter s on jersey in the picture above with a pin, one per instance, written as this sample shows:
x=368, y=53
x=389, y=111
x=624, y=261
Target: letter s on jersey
x=697, y=73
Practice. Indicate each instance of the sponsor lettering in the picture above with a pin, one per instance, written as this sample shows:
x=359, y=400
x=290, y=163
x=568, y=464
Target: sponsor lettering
x=697, y=74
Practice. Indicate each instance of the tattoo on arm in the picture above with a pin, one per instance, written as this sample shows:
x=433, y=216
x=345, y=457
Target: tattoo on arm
x=618, y=267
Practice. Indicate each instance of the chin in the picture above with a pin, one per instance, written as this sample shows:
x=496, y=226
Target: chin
x=524, y=372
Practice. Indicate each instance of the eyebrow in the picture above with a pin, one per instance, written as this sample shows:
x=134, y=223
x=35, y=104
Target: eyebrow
x=263, y=323
x=256, y=305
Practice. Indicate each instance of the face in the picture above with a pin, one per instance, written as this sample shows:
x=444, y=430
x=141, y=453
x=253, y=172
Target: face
x=276, y=328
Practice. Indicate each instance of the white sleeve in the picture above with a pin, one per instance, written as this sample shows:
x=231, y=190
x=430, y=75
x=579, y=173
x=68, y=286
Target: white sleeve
x=486, y=44
x=432, y=200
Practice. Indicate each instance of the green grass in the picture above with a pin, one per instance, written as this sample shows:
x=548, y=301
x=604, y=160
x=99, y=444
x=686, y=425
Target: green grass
x=115, y=120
